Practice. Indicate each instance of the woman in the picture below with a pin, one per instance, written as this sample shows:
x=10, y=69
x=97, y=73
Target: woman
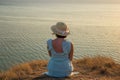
x=60, y=52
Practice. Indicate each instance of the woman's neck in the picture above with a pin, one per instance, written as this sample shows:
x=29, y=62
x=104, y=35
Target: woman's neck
x=61, y=39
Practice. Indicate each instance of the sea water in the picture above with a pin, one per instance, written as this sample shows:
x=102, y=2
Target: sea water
x=24, y=30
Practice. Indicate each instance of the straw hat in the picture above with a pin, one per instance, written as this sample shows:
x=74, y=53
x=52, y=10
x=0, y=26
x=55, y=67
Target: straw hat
x=60, y=29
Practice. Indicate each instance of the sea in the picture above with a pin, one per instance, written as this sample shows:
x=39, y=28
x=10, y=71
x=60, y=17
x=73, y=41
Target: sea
x=25, y=29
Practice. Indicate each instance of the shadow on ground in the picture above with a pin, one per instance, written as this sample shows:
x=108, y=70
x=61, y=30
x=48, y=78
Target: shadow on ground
x=45, y=77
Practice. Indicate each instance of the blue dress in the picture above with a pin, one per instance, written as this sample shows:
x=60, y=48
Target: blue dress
x=59, y=64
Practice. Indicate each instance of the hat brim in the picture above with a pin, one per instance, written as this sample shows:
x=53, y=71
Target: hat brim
x=58, y=32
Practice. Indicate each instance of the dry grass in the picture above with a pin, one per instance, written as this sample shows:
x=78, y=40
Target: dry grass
x=22, y=71
x=95, y=68
x=99, y=66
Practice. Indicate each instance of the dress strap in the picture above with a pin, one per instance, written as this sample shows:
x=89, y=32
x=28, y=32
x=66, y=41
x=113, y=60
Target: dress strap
x=49, y=44
x=67, y=46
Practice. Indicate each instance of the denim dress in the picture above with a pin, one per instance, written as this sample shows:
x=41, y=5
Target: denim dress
x=59, y=64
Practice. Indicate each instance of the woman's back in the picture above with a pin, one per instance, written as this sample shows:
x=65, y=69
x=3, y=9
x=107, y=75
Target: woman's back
x=57, y=45
x=59, y=49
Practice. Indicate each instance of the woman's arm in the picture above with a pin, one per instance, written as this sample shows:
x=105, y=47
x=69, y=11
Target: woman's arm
x=71, y=52
x=49, y=53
